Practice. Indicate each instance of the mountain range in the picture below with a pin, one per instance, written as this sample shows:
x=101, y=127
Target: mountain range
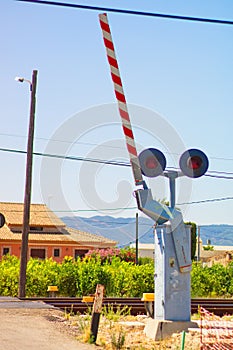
x=123, y=230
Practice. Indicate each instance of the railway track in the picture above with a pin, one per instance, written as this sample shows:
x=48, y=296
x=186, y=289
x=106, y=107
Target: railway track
x=219, y=307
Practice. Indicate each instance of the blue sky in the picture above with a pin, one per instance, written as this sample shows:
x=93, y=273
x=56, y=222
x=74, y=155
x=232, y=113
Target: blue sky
x=180, y=71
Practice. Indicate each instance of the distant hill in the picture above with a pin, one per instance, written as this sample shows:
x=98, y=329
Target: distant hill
x=123, y=230
x=217, y=234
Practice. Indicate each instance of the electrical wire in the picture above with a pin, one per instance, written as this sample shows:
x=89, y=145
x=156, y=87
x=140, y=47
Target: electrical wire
x=62, y=141
x=122, y=208
x=220, y=176
x=131, y=12
x=221, y=172
x=101, y=161
x=140, y=237
x=107, y=146
x=130, y=208
x=207, y=201
x=92, y=160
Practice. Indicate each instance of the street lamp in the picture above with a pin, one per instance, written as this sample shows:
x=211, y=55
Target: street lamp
x=21, y=80
x=28, y=181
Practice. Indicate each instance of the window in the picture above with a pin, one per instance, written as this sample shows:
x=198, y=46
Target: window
x=5, y=251
x=16, y=230
x=38, y=253
x=80, y=253
x=36, y=228
x=56, y=252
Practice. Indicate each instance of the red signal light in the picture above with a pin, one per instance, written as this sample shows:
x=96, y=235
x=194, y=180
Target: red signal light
x=152, y=162
x=194, y=163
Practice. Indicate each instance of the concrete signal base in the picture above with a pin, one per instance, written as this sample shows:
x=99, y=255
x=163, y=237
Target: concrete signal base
x=160, y=330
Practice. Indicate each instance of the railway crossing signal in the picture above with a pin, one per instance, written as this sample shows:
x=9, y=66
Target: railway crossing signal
x=172, y=238
x=193, y=163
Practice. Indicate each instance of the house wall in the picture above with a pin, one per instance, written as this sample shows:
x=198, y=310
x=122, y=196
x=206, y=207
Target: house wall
x=14, y=248
x=65, y=250
x=221, y=259
x=145, y=250
x=146, y=253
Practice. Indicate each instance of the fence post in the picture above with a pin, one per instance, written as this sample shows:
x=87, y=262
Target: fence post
x=96, y=311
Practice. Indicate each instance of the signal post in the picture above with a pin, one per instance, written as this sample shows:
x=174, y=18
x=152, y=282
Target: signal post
x=172, y=238
x=172, y=304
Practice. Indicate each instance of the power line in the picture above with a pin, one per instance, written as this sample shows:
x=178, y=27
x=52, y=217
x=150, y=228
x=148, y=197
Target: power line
x=92, y=160
x=220, y=158
x=220, y=176
x=62, y=141
x=101, y=161
x=120, y=208
x=131, y=12
x=92, y=210
x=207, y=201
x=108, y=146
x=140, y=237
x=130, y=208
x=221, y=172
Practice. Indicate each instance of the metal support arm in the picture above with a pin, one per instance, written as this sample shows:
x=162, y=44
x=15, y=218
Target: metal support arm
x=160, y=214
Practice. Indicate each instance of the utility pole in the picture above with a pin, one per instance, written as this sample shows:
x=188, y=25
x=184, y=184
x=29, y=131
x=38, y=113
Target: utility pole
x=198, y=242
x=28, y=181
x=136, y=260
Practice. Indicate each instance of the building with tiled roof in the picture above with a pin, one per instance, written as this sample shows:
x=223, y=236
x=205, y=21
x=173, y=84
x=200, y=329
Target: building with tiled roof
x=48, y=234
x=215, y=255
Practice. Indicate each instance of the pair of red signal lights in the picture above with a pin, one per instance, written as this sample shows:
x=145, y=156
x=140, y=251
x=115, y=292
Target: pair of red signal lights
x=193, y=162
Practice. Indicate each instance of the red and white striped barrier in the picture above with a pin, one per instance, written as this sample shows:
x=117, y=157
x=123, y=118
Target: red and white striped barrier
x=120, y=96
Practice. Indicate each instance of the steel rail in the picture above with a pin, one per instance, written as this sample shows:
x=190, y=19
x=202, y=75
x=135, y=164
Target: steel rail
x=219, y=307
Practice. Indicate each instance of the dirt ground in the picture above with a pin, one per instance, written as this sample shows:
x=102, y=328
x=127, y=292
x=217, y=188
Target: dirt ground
x=50, y=329
x=35, y=326
x=36, y=329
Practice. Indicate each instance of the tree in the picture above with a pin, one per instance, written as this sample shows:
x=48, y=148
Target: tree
x=208, y=247
x=193, y=238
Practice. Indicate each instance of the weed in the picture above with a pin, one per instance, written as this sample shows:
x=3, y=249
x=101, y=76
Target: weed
x=84, y=322
x=112, y=313
x=91, y=339
x=196, y=316
x=86, y=335
x=89, y=311
x=67, y=314
x=117, y=338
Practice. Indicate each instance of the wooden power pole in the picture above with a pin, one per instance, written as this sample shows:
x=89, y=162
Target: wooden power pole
x=27, y=195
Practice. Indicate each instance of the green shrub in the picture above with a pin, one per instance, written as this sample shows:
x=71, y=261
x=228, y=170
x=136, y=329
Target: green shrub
x=67, y=278
x=40, y=275
x=120, y=278
x=210, y=281
x=9, y=276
x=128, y=279
x=90, y=273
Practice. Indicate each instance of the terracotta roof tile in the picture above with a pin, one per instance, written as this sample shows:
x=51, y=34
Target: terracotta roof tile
x=81, y=236
x=66, y=235
x=6, y=234
x=40, y=215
